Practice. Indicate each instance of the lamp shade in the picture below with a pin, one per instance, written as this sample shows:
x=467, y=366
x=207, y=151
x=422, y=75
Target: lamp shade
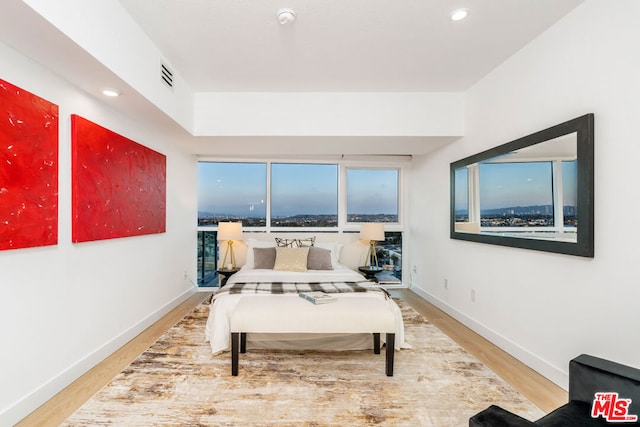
x=372, y=231
x=229, y=231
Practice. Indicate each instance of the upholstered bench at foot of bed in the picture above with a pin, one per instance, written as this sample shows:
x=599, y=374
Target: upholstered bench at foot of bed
x=292, y=314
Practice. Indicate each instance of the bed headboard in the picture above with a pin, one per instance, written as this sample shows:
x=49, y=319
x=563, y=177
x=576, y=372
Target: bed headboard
x=353, y=254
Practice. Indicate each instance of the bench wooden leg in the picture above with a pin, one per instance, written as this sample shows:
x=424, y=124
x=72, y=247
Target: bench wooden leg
x=243, y=342
x=235, y=343
x=391, y=347
x=239, y=344
x=376, y=343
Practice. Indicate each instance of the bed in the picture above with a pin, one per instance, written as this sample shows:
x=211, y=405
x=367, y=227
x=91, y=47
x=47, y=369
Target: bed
x=255, y=281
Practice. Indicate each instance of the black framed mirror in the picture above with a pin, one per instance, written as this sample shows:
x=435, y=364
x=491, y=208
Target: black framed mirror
x=535, y=192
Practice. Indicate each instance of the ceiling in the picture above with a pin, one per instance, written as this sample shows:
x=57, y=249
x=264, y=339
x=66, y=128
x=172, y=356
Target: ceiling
x=340, y=45
x=333, y=46
x=564, y=147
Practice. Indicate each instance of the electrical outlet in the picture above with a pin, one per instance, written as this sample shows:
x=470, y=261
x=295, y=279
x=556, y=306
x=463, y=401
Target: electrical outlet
x=186, y=276
x=446, y=283
x=473, y=295
x=415, y=269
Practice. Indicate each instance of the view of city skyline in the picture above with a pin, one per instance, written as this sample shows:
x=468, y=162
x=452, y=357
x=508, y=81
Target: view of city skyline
x=521, y=216
x=207, y=218
x=239, y=190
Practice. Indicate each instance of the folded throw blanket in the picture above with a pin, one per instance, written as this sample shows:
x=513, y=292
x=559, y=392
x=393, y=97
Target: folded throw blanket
x=297, y=287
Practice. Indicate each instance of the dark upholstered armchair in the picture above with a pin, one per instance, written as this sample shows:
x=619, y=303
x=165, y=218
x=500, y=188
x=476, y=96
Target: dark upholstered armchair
x=588, y=375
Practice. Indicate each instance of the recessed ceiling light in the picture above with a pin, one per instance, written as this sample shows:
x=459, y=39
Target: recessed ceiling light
x=459, y=14
x=110, y=92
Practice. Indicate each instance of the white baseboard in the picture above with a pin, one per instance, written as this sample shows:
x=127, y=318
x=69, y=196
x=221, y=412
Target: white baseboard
x=552, y=373
x=23, y=407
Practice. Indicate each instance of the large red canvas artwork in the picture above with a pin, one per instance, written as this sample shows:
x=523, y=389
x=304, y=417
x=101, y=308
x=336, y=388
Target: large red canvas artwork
x=119, y=186
x=28, y=169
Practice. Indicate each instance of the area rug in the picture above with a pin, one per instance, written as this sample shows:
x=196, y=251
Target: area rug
x=178, y=382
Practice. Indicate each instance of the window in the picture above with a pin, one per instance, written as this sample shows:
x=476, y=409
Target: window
x=516, y=194
x=389, y=253
x=462, y=195
x=232, y=192
x=274, y=196
x=518, y=197
x=569, y=190
x=207, y=257
x=300, y=194
x=304, y=195
x=372, y=195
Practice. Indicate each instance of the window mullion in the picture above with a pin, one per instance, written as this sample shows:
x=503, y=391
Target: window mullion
x=473, y=193
x=268, y=201
x=558, y=208
x=342, y=197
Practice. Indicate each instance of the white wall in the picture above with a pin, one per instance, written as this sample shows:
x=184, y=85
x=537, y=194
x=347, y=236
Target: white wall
x=547, y=308
x=335, y=113
x=97, y=27
x=64, y=308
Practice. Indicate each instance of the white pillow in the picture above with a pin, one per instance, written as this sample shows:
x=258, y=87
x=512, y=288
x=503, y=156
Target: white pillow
x=254, y=243
x=335, y=249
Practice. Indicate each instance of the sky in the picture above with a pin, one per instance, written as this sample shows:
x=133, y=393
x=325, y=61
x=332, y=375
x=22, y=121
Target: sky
x=304, y=189
x=517, y=184
x=232, y=188
x=240, y=189
x=372, y=192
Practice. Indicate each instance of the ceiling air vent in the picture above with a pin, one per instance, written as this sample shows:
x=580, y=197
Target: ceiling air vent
x=166, y=75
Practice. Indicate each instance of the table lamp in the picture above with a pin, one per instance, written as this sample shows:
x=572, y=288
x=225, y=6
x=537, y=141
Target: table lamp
x=372, y=231
x=229, y=231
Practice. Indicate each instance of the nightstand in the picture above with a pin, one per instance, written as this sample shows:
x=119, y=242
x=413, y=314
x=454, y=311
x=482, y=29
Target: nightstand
x=370, y=271
x=225, y=273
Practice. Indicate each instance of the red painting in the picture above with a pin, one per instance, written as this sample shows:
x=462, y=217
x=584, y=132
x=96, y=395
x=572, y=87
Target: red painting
x=28, y=169
x=119, y=186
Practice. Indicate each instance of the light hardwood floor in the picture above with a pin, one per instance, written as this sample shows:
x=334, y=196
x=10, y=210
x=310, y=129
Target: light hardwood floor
x=542, y=392
x=545, y=394
x=62, y=405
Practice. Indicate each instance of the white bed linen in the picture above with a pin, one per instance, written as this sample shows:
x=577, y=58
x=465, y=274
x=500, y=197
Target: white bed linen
x=218, y=332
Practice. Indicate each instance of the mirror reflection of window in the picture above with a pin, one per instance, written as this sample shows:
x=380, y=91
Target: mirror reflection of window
x=462, y=195
x=516, y=194
x=532, y=190
x=569, y=193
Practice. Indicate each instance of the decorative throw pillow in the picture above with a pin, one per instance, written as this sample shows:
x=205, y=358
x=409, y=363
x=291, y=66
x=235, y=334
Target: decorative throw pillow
x=335, y=249
x=308, y=242
x=264, y=258
x=291, y=259
x=286, y=243
x=253, y=243
x=319, y=259
x=295, y=243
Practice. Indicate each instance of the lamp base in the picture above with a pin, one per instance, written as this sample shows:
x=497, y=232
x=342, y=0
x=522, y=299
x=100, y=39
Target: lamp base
x=232, y=259
x=372, y=257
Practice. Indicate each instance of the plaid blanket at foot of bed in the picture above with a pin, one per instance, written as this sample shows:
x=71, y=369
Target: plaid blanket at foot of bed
x=291, y=287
